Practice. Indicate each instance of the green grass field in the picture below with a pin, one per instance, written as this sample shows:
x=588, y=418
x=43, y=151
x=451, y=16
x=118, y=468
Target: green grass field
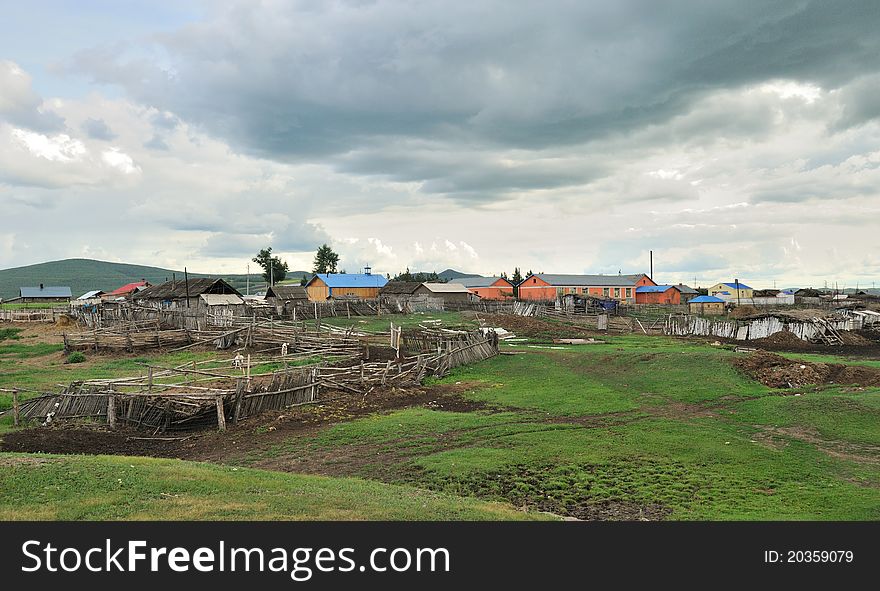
x=640, y=422
x=638, y=427
x=45, y=487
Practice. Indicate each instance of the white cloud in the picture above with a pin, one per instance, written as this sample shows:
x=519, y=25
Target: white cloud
x=115, y=158
x=57, y=148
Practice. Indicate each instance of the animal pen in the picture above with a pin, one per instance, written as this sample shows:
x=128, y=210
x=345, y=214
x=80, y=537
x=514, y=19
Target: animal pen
x=311, y=367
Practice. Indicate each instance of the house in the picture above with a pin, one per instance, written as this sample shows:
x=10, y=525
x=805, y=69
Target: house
x=488, y=288
x=325, y=286
x=126, y=290
x=658, y=294
x=706, y=306
x=687, y=293
x=547, y=287
x=285, y=297
x=182, y=294
x=731, y=291
x=44, y=294
x=450, y=293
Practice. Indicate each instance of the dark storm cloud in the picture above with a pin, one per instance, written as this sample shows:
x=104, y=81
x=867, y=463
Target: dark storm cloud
x=299, y=80
x=97, y=129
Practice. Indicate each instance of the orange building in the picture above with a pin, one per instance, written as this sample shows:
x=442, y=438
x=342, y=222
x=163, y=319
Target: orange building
x=658, y=294
x=488, y=288
x=548, y=287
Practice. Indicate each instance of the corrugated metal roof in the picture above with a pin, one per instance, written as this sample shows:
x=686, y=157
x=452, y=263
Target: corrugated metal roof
x=130, y=287
x=706, y=300
x=685, y=289
x=446, y=287
x=654, y=288
x=400, y=287
x=179, y=288
x=221, y=299
x=733, y=285
x=90, y=294
x=44, y=292
x=481, y=281
x=591, y=280
x=287, y=292
x=352, y=279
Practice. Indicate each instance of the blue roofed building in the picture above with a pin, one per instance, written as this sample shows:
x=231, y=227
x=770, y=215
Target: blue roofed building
x=732, y=291
x=325, y=286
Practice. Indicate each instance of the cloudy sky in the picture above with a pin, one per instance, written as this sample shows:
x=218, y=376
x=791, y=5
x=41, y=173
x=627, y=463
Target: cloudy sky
x=734, y=138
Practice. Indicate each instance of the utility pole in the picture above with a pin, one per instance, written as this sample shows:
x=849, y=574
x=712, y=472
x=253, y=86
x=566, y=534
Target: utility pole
x=248, y=280
x=186, y=284
x=736, y=282
x=651, y=276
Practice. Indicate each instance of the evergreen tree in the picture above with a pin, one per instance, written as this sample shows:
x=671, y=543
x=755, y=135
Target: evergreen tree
x=325, y=260
x=274, y=269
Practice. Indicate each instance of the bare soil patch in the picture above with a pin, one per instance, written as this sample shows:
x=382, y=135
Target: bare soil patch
x=776, y=371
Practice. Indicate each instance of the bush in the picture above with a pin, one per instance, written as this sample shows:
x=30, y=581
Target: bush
x=76, y=357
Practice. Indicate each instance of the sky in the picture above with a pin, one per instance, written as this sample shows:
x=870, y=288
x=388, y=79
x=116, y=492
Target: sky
x=735, y=139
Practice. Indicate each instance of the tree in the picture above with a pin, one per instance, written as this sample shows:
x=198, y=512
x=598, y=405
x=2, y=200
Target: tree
x=420, y=277
x=274, y=269
x=516, y=280
x=325, y=260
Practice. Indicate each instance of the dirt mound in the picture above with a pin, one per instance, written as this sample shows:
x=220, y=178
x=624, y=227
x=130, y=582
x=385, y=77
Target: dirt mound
x=780, y=372
x=855, y=339
x=783, y=339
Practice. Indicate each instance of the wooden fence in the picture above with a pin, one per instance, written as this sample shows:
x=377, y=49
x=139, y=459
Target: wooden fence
x=33, y=314
x=206, y=397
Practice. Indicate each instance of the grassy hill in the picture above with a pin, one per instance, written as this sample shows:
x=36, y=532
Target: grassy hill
x=83, y=275
x=451, y=274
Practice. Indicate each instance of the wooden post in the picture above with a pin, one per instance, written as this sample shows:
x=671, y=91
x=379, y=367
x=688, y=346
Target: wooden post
x=15, y=409
x=111, y=411
x=221, y=418
x=150, y=379
x=239, y=394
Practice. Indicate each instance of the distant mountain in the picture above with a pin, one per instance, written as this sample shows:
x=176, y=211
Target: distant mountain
x=450, y=274
x=83, y=275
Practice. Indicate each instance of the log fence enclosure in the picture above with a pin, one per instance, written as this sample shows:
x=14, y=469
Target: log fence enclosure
x=199, y=395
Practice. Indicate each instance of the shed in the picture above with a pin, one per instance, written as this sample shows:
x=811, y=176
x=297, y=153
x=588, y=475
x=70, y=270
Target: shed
x=222, y=307
x=658, y=294
x=325, y=286
x=285, y=297
x=706, y=306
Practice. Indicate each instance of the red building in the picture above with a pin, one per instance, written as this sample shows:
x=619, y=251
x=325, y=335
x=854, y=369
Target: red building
x=658, y=294
x=127, y=289
x=547, y=287
x=488, y=288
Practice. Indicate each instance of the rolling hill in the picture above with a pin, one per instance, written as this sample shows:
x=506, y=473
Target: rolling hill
x=83, y=275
